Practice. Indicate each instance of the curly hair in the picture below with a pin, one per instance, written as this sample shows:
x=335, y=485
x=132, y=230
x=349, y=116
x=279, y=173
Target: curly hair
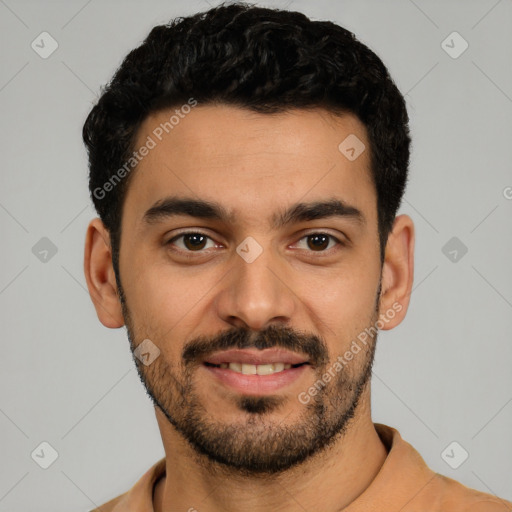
x=262, y=59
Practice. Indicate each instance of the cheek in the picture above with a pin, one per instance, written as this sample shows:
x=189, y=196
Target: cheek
x=173, y=293
x=167, y=303
x=342, y=304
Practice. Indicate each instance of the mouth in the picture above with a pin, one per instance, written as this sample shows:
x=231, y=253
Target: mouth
x=256, y=369
x=256, y=372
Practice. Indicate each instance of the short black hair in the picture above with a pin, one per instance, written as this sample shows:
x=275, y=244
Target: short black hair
x=262, y=59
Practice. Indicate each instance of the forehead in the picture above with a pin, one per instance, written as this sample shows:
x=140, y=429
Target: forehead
x=250, y=162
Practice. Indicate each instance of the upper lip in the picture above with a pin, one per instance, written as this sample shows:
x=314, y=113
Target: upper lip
x=248, y=356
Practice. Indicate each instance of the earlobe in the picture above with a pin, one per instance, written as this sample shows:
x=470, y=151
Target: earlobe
x=100, y=277
x=397, y=273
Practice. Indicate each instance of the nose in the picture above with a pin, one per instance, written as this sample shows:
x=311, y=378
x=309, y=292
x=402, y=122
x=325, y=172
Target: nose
x=256, y=294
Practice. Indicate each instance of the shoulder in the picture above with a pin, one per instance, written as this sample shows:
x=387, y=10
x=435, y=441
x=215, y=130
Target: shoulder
x=110, y=505
x=457, y=497
x=140, y=496
x=406, y=477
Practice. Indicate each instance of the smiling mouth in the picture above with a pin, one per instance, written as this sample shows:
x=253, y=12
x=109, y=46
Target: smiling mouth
x=256, y=369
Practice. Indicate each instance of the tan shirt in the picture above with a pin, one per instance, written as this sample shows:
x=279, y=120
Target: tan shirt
x=403, y=484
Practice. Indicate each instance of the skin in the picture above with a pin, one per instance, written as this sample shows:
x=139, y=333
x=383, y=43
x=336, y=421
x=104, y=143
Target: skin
x=254, y=165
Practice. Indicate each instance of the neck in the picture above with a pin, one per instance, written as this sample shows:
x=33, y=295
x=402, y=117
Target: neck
x=339, y=475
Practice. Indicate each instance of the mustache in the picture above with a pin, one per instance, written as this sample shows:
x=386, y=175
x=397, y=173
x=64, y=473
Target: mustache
x=272, y=337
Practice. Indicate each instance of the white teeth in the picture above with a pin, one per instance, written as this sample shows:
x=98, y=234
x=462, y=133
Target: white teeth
x=279, y=367
x=266, y=369
x=249, y=369
x=237, y=367
x=259, y=369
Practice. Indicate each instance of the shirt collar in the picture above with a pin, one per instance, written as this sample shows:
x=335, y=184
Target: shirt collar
x=401, y=478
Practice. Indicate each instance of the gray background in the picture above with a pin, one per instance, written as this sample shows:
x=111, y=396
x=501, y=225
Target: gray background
x=444, y=375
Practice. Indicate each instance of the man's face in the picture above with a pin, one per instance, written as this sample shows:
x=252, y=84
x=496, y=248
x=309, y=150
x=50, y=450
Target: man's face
x=257, y=286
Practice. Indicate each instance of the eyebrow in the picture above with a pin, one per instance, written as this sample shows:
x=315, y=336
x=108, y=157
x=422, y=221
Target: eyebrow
x=299, y=212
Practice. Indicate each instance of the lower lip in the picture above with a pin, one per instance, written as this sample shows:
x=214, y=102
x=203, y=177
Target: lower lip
x=256, y=384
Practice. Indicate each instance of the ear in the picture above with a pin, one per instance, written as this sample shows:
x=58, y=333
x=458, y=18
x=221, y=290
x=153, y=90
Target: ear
x=397, y=273
x=100, y=277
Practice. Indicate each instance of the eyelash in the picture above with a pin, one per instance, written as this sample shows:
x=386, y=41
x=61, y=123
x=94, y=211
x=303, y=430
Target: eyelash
x=189, y=253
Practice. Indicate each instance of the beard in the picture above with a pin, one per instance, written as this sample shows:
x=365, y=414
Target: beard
x=256, y=445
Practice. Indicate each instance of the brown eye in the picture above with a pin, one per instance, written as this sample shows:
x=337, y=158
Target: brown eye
x=319, y=242
x=191, y=241
x=194, y=241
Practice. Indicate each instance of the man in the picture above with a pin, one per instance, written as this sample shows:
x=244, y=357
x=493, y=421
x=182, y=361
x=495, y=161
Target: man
x=247, y=165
